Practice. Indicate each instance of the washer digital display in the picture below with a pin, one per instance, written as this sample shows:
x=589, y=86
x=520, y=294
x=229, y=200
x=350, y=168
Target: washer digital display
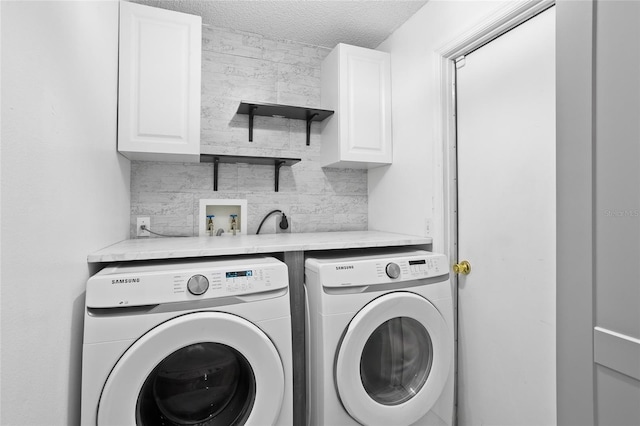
x=237, y=274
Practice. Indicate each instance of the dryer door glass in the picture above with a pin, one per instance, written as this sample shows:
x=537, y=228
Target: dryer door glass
x=396, y=361
x=205, y=384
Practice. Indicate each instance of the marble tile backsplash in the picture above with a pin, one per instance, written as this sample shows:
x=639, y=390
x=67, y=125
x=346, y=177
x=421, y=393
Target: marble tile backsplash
x=239, y=66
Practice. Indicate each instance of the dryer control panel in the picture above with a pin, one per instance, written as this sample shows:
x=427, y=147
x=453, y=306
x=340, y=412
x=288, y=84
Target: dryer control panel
x=379, y=269
x=137, y=285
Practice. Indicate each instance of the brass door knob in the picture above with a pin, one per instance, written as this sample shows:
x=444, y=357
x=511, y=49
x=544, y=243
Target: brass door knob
x=463, y=267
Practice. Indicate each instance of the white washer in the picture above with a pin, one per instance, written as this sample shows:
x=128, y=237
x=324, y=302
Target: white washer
x=189, y=343
x=380, y=342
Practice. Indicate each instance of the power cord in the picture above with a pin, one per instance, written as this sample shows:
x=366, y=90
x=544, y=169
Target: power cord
x=284, y=223
x=145, y=228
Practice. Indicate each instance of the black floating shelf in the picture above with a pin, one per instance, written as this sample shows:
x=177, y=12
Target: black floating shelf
x=285, y=111
x=277, y=162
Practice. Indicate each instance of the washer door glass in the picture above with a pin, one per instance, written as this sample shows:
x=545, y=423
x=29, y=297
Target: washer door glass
x=204, y=384
x=202, y=368
x=396, y=361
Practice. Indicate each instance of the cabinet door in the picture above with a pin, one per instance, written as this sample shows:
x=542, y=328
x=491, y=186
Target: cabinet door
x=356, y=84
x=366, y=105
x=159, y=84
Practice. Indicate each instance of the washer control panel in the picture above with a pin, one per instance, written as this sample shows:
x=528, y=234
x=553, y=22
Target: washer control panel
x=379, y=269
x=410, y=268
x=124, y=285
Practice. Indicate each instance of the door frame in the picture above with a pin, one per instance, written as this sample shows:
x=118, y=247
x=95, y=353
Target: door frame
x=489, y=28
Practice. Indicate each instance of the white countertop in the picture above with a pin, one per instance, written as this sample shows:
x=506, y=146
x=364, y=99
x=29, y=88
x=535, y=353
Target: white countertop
x=172, y=248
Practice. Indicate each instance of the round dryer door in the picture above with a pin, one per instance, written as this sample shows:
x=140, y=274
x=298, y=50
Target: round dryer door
x=205, y=369
x=394, y=360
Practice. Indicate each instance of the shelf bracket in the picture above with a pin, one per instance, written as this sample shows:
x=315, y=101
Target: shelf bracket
x=278, y=164
x=309, y=119
x=216, y=160
x=252, y=110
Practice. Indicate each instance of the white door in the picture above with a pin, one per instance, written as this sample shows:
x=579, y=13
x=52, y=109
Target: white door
x=506, y=228
x=203, y=368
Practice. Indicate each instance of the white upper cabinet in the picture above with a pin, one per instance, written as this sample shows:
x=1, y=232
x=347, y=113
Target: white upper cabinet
x=356, y=84
x=159, y=84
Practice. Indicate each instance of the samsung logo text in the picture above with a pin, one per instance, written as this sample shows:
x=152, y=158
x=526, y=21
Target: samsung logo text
x=338, y=268
x=126, y=281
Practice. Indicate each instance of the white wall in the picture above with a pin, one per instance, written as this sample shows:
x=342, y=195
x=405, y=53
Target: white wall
x=413, y=184
x=574, y=201
x=65, y=193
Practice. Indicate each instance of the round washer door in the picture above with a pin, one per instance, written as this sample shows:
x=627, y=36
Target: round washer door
x=205, y=368
x=394, y=360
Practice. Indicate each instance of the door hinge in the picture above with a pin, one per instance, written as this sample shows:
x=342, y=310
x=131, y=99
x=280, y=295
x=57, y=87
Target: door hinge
x=460, y=62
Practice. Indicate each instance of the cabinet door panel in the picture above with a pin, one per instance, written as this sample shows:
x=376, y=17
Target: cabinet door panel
x=159, y=115
x=366, y=101
x=159, y=87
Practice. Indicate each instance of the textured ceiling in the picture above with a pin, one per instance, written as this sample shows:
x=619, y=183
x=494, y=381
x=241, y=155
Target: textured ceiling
x=365, y=23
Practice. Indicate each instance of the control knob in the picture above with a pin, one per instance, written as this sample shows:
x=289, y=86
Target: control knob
x=392, y=270
x=197, y=284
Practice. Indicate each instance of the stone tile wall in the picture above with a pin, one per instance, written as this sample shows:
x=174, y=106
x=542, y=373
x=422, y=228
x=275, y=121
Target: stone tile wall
x=243, y=66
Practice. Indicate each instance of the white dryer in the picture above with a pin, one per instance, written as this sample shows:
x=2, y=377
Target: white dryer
x=188, y=343
x=380, y=340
